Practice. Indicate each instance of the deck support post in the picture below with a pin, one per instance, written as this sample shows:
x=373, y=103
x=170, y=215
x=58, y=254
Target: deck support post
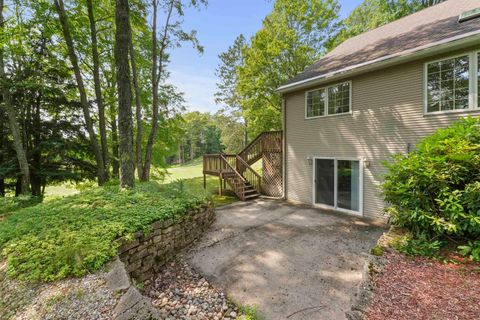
x=221, y=189
x=204, y=181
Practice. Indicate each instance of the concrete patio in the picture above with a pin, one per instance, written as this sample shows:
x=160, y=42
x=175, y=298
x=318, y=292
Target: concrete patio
x=291, y=262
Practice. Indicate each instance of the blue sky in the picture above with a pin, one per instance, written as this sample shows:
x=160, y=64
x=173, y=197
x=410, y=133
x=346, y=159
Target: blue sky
x=218, y=25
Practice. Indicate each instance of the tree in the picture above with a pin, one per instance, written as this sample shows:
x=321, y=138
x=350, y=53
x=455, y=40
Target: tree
x=125, y=125
x=98, y=86
x=232, y=131
x=292, y=37
x=81, y=89
x=371, y=14
x=227, y=72
x=12, y=119
x=172, y=36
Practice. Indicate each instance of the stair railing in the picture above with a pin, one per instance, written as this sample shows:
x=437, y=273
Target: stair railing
x=233, y=177
x=253, y=151
x=249, y=174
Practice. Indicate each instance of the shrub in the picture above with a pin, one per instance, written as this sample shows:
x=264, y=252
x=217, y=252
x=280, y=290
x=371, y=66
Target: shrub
x=76, y=235
x=435, y=190
x=420, y=246
x=471, y=250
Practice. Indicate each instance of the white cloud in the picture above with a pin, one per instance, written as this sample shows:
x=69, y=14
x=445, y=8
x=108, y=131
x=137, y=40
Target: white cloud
x=198, y=89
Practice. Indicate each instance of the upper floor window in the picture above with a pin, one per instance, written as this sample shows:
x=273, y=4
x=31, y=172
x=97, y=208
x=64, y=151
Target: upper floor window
x=330, y=100
x=451, y=83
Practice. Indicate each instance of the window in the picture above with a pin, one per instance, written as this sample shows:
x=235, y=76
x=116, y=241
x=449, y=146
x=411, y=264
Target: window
x=448, y=84
x=453, y=84
x=339, y=98
x=328, y=101
x=337, y=183
x=315, y=103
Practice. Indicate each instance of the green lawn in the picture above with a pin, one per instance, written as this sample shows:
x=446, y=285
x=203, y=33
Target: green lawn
x=192, y=173
x=189, y=170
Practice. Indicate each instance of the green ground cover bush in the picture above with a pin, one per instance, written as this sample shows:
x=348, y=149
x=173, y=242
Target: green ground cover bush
x=76, y=235
x=434, y=191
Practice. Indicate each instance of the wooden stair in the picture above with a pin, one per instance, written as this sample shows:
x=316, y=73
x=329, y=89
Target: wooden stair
x=236, y=170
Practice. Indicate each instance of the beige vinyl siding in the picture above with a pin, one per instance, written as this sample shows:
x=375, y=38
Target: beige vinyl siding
x=387, y=115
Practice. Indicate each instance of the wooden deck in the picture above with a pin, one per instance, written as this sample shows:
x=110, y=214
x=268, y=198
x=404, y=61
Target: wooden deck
x=236, y=171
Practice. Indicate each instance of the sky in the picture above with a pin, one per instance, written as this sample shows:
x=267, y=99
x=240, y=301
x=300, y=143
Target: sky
x=217, y=26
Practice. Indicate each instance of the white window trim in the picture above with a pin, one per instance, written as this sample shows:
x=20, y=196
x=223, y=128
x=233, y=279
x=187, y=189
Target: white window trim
x=473, y=94
x=360, y=185
x=326, y=101
x=476, y=81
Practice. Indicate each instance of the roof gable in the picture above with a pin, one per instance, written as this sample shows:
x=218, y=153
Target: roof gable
x=419, y=30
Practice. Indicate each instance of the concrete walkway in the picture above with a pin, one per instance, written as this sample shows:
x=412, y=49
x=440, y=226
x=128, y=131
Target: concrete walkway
x=291, y=262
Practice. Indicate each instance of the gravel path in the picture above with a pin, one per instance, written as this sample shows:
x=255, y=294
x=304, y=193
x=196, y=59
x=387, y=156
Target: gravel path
x=177, y=291
x=182, y=293
x=419, y=288
x=87, y=298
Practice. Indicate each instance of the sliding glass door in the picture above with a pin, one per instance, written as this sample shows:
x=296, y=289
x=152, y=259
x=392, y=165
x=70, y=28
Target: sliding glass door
x=338, y=183
x=325, y=181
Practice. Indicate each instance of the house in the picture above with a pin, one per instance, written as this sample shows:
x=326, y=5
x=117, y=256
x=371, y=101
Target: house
x=375, y=95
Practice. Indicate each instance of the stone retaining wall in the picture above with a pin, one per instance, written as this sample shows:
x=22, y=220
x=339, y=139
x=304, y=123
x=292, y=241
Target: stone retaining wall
x=150, y=251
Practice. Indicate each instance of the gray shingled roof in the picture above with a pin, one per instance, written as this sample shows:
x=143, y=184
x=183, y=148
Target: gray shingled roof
x=422, y=29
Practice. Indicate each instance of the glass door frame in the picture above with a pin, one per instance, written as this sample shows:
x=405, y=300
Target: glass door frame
x=360, y=184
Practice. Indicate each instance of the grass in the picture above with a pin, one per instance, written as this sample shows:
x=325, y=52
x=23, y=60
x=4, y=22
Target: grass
x=71, y=234
x=192, y=169
x=193, y=173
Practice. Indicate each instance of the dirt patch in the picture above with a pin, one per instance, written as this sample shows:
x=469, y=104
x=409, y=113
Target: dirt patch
x=420, y=288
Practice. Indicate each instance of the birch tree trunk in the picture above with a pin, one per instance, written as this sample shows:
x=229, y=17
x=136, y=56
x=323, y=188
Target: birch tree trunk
x=98, y=88
x=81, y=89
x=125, y=123
x=12, y=119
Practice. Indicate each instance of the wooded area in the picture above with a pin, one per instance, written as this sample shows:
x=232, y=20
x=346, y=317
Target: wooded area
x=86, y=93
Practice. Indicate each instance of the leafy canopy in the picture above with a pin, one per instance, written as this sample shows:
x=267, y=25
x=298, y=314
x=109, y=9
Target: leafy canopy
x=292, y=37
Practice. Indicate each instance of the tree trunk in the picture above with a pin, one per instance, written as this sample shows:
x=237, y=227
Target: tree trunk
x=192, y=153
x=81, y=89
x=138, y=109
x=157, y=58
x=12, y=120
x=98, y=88
x=125, y=125
x=35, y=177
x=2, y=149
x=114, y=128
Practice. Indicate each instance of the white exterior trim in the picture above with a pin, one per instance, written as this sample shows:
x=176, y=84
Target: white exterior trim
x=326, y=114
x=442, y=46
x=360, y=185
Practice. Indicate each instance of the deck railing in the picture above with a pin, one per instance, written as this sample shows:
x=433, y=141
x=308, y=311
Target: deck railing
x=214, y=164
x=268, y=141
x=236, y=170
